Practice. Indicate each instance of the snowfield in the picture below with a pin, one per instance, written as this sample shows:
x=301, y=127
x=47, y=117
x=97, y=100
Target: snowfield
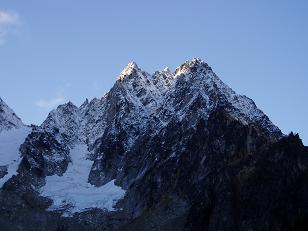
x=72, y=192
x=10, y=141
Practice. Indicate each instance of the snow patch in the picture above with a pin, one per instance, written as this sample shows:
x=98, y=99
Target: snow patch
x=10, y=141
x=72, y=192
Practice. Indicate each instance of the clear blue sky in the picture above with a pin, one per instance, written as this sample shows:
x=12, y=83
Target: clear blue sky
x=60, y=50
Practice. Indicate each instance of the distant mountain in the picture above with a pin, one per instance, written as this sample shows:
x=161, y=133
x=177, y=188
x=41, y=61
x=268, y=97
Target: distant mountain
x=164, y=151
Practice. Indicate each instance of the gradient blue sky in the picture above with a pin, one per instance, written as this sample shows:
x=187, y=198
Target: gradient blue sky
x=60, y=50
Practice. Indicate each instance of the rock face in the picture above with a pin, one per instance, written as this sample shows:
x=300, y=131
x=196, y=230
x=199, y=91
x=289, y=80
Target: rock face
x=168, y=151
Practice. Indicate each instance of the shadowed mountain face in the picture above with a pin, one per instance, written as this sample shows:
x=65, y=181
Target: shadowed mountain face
x=168, y=151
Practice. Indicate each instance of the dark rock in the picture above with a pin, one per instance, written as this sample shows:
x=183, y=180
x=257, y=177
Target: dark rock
x=3, y=171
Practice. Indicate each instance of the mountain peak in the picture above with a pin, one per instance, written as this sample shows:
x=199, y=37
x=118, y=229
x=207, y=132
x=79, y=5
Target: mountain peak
x=128, y=70
x=85, y=103
x=167, y=69
x=195, y=60
x=70, y=104
x=190, y=65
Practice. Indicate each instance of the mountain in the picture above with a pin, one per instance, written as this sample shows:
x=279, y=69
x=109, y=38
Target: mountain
x=165, y=151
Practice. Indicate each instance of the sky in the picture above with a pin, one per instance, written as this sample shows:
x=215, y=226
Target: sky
x=56, y=51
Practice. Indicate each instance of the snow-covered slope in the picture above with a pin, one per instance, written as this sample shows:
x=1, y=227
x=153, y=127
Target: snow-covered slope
x=64, y=123
x=12, y=134
x=196, y=83
x=72, y=192
x=10, y=142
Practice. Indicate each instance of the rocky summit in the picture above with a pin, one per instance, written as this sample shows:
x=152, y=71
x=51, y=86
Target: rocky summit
x=165, y=151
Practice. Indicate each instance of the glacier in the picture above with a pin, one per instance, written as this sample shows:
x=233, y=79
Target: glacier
x=72, y=192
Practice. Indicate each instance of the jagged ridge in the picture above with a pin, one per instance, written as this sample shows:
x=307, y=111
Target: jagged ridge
x=137, y=97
